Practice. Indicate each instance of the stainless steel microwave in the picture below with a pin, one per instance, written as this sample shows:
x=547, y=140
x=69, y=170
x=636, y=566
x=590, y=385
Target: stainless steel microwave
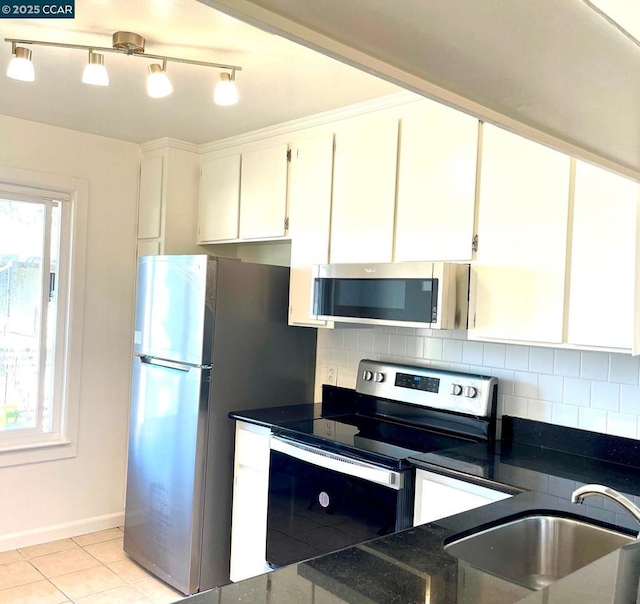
x=411, y=294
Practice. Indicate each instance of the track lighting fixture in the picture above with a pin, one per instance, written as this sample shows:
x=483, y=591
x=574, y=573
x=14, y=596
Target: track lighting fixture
x=129, y=43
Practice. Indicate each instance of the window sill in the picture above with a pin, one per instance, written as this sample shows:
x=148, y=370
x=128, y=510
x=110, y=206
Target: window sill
x=18, y=455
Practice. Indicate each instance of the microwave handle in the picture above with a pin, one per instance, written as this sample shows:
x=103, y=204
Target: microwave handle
x=315, y=310
x=338, y=463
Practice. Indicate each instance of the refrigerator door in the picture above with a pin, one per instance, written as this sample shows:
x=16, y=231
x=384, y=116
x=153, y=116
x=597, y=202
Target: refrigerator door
x=174, y=308
x=166, y=466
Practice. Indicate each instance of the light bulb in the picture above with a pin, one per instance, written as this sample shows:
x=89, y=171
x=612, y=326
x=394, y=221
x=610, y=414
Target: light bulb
x=225, y=92
x=158, y=84
x=20, y=66
x=95, y=72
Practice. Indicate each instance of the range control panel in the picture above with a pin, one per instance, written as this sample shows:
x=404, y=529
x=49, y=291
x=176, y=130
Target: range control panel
x=417, y=382
x=437, y=388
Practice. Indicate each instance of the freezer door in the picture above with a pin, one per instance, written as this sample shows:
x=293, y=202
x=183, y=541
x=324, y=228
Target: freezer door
x=167, y=452
x=174, y=308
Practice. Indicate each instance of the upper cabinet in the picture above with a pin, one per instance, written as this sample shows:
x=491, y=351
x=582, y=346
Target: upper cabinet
x=364, y=190
x=518, y=278
x=263, y=193
x=219, y=199
x=603, y=250
x=150, y=198
x=309, y=220
x=168, y=201
x=436, y=184
x=552, y=242
x=243, y=196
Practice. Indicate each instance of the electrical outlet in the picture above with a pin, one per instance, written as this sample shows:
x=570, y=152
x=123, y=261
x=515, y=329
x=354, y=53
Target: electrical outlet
x=331, y=375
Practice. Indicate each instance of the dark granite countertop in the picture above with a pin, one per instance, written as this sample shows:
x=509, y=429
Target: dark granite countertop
x=546, y=462
x=404, y=567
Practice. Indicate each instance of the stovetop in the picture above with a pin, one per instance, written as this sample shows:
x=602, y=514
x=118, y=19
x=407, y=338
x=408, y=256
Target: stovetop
x=372, y=438
x=403, y=411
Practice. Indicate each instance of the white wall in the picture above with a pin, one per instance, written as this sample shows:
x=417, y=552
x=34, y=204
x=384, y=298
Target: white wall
x=595, y=391
x=47, y=500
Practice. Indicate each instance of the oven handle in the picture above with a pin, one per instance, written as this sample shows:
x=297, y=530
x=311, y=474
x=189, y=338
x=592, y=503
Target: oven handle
x=338, y=463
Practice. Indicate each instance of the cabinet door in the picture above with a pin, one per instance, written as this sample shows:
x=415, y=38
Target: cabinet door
x=436, y=184
x=250, y=501
x=149, y=248
x=309, y=220
x=219, y=199
x=518, y=280
x=440, y=496
x=263, y=193
x=603, y=249
x=150, y=198
x=364, y=188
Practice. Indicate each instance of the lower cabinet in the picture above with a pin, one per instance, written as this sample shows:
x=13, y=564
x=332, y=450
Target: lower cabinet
x=440, y=496
x=250, y=500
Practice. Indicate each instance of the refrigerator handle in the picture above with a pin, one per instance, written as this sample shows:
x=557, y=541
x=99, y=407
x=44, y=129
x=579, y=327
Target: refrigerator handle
x=162, y=363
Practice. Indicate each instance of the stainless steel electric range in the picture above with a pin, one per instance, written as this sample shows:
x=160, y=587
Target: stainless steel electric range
x=342, y=479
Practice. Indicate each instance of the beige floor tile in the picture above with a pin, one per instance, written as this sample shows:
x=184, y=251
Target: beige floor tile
x=98, y=537
x=11, y=556
x=129, y=570
x=53, y=547
x=107, y=551
x=120, y=595
x=64, y=563
x=158, y=592
x=13, y=574
x=40, y=592
x=87, y=582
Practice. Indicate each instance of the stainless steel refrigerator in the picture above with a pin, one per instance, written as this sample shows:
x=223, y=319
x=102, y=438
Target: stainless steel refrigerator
x=211, y=336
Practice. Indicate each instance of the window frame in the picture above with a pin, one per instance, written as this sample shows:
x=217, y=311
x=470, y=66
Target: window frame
x=61, y=442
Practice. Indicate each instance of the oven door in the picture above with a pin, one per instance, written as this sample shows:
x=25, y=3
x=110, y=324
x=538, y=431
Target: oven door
x=320, y=502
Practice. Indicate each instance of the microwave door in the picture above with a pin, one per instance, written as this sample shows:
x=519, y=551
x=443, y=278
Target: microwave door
x=401, y=301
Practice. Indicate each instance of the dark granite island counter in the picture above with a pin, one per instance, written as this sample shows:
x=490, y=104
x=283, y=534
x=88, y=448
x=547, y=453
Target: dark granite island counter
x=412, y=567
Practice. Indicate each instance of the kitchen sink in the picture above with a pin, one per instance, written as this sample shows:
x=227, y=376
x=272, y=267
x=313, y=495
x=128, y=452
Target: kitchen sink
x=536, y=550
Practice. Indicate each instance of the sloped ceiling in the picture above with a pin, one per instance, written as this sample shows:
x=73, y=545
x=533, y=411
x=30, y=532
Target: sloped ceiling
x=558, y=71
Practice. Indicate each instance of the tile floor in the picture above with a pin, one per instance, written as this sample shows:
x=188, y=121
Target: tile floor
x=90, y=569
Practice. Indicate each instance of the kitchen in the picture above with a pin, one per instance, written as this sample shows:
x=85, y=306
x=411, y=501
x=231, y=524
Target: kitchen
x=536, y=389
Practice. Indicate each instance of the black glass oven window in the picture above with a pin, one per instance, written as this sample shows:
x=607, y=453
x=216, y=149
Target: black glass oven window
x=314, y=511
x=391, y=299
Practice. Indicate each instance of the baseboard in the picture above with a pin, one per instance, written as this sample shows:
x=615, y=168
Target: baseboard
x=60, y=531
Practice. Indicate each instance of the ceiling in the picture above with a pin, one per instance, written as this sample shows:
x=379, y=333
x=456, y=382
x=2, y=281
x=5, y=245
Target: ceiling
x=556, y=70
x=280, y=80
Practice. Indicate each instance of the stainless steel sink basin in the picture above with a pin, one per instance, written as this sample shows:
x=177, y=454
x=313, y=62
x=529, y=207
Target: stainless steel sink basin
x=536, y=550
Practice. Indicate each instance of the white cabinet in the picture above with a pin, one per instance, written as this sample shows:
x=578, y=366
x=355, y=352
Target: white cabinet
x=168, y=201
x=440, y=496
x=309, y=220
x=150, y=198
x=219, y=199
x=263, y=193
x=518, y=278
x=603, y=248
x=243, y=196
x=436, y=184
x=250, y=502
x=148, y=248
x=364, y=188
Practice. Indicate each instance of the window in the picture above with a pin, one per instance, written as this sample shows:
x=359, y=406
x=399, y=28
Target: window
x=36, y=291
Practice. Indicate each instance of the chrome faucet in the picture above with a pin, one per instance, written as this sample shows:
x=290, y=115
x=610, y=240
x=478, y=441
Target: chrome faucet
x=588, y=490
